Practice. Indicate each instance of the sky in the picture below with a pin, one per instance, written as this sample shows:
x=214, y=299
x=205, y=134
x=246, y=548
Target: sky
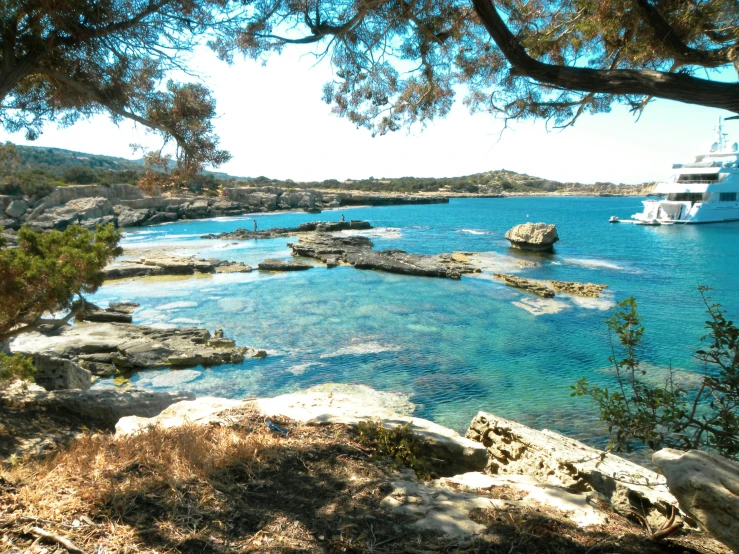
x=274, y=123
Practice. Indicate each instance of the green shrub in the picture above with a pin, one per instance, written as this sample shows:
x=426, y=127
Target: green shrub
x=399, y=445
x=79, y=175
x=15, y=366
x=668, y=415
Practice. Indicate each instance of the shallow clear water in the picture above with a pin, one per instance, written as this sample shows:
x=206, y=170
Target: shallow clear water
x=453, y=347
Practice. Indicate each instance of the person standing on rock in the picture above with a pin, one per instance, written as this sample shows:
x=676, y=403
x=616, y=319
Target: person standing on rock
x=342, y=218
x=255, y=225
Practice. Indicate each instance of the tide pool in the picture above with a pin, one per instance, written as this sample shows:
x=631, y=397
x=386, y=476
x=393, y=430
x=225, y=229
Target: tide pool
x=451, y=347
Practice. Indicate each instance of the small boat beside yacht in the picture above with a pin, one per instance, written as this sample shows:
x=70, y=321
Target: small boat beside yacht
x=705, y=190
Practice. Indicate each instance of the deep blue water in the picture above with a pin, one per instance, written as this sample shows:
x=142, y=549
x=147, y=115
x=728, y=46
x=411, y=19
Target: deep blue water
x=453, y=347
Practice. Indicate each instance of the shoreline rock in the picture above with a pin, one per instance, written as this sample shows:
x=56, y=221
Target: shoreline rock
x=310, y=227
x=707, y=487
x=166, y=265
x=128, y=347
x=558, y=460
x=127, y=206
x=104, y=406
x=358, y=251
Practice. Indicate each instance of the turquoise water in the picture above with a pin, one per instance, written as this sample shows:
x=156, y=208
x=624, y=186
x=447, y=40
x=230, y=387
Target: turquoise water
x=453, y=347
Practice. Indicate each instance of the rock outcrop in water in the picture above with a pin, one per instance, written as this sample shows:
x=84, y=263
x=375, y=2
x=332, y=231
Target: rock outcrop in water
x=107, y=348
x=358, y=251
x=539, y=237
x=310, y=227
x=529, y=285
x=163, y=265
x=283, y=265
x=547, y=289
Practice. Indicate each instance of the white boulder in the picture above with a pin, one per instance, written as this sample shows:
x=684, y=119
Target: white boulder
x=707, y=487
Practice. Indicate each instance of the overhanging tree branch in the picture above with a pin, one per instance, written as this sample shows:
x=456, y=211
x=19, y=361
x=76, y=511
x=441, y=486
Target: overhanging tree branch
x=667, y=35
x=679, y=87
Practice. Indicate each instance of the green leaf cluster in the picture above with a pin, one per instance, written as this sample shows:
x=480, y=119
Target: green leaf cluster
x=47, y=270
x=15, y=366
x=669, y=415
x=399, y=445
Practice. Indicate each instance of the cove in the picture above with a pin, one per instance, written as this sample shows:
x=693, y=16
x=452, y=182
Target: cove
x=450, y=347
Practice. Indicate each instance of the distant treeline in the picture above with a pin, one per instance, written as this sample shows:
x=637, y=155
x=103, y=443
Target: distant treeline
x=37, y=170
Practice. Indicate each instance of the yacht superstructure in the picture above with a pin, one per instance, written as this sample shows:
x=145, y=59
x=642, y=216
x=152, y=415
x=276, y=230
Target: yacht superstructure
x=705, y=190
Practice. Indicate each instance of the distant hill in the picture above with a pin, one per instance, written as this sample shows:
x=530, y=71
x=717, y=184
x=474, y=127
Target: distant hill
x=57, y=166
x=57, y=161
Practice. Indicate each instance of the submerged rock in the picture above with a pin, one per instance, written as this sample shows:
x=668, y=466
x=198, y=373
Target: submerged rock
x=283, y=265
x=589, y=290
x=529, y=285
x=358, y=251
x=533, y=236
x=707, y=487
x=547, y=289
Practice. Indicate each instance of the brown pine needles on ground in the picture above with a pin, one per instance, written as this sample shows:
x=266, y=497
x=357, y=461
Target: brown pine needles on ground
x=241, y=487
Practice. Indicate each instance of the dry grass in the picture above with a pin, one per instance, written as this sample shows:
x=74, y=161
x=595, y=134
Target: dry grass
x=242, y=487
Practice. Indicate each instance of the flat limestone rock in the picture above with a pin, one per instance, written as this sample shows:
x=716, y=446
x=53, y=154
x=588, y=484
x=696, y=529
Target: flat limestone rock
x=707, y=487
x=446, y=504
x=351, y=405
x=202, y=411
x=168, y=265
x=343, y=404
x=358, y=251
x=558, y=460
x=132, y=347
x=104, y=406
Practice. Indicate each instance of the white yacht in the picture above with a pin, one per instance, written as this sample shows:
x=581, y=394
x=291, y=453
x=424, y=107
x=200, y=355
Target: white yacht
x=705, y=190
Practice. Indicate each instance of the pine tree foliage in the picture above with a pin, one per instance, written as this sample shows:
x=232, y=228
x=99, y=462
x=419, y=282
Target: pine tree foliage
x=43, y=275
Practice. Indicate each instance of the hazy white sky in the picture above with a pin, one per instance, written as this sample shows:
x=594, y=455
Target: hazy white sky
x=274, y=123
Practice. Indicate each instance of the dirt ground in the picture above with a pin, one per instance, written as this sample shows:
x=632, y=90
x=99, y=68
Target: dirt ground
x=249, y=485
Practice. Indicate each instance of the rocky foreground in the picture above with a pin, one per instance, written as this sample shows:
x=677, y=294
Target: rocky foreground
x=323, y=470
x=358, y=252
